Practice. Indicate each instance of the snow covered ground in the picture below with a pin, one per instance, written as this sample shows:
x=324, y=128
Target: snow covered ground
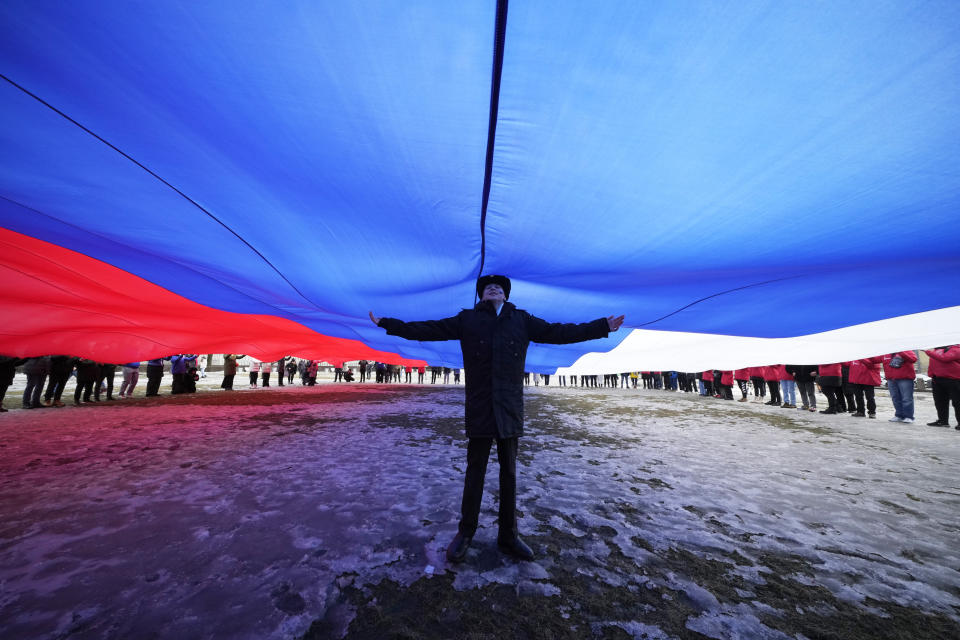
x=324, y=512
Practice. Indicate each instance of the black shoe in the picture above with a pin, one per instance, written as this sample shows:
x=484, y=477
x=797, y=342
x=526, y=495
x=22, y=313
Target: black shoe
x=2, y=410
x=457, y=550
x=516, y=548
x=829, y=411
x=859, y=414
x=937, y=423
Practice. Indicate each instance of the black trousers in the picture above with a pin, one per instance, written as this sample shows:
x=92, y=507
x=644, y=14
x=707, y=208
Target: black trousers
x=55, y=386
x=861, y=390
x=266, y=378
x=743, y=387
x=945, y=391
x=478, y=452
x=847, y=396
x=84, y=389
x=227, y=381
x=774, y=386
x=34, y=390
x=109, y=379
x=154, y=376
x=834, y=395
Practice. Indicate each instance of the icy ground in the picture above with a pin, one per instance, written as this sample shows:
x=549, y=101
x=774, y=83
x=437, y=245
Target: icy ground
x=323, y=512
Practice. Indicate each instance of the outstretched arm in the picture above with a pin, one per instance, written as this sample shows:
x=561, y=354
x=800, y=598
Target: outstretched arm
x=427, y=330
x=563, y=333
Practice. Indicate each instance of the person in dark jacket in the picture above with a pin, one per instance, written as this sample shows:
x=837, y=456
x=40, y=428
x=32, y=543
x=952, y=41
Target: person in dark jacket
x=8, y=369
x=88, y=372
x=107, y=373
x=179, y=366
x=847, y=400
x=154, y=375
x=494, y=337
x=805, y=375
x=36, y=370
x=60, y=369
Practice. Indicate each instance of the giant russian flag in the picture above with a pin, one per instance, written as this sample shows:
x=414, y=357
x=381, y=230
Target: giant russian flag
x=255, y=177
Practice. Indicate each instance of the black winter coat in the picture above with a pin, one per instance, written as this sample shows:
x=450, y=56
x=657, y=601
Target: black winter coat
x=87, y=371
x=802, y=372
x=8, y=368
x=37, y=366
x=494, y=352
x=61, y=365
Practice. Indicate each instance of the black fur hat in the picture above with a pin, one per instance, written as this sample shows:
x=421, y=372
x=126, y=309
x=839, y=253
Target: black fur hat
x=503, y=281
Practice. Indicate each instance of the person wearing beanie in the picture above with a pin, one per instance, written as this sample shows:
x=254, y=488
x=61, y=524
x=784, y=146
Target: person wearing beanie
x=494, y=337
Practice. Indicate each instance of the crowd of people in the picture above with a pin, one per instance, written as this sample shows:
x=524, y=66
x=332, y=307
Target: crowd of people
x=47, y=376
x=849, y=387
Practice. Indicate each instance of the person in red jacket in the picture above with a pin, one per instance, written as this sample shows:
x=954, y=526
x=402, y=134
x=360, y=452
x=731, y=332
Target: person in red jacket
x=830, y=378
x=945, y=371
x=742, y=376
x=900, y=374
x=771, y=375
x=788, y=387
x=708, y=382
x=726, y=385
x=759, y=388
x=865, y=378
